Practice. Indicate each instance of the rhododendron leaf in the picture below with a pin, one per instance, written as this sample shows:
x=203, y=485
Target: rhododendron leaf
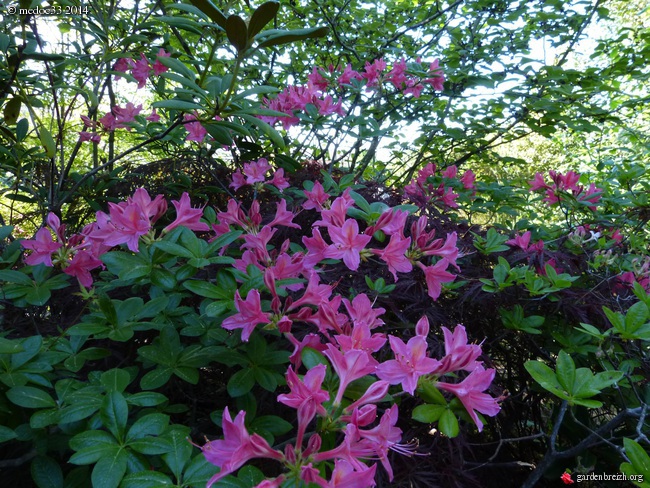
x=264, y=14
x=636, y=316
x=428, y=414
x=266, y=129
x=241, y=382
x=48, y=142
x=544, y=375
x=429, y=393
x=213, y=12
x=311, y=358
x=220, y=134
x=565, y=371
x=177, y=104
x=146, y=479
x=276, y=37
x=448, y=424
x=237, y=32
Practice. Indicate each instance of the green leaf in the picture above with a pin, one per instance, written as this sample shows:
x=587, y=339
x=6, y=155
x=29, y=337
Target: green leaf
x=114, y=413
x=180, y=452
x=448, y=424
x=115, y=380
x=544, y=375
x=264, y=14
x=277, y=37
x=428, y=413
x=151, y=424
x=241, y=382
x=237, y=32
x=146, y=479
x=109, y=470
x=156, y=378
x=46, y=473
x=30, y=397
x=429, y=393
x=11, y=111
x=638, y=457
x=6, y=434
x=177, y=104
x=271, y=423
x=207, y=7
x=266, y=129
x=635, y=317
x=565, y=371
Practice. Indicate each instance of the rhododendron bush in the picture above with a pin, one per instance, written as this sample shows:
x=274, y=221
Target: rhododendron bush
x=260, y=308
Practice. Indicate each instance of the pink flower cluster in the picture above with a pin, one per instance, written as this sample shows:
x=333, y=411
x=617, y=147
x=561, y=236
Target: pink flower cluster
x=367, y=436
x=563, y=185
x=427, y=188
x=125, y=223
x=122, y=117
x=296, y=98
x=255, y=174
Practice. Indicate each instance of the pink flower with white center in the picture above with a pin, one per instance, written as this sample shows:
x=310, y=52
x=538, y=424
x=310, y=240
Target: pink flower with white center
x=158, y=67
x=458, y=353
x=187, y=216
x=236, y=448
x=42, y=246
x=469, y=392
x=394, y=254
x=250, y=314
x=411, y=362
x=255, y=171
x=315, y=198
x=347, y=243
x=349, y=366
x=141, y=70
x=361, y=311
x=346, y=476
x=279, y=180
x=195, y=131
x=306, y=396
x=82, y=263
x=435, y=276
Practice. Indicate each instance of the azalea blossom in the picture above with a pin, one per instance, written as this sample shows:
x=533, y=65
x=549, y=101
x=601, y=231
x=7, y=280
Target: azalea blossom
x=347, y=243
x=187, y=216
x=250, y=314
x=469, y=392
x=42, y=246
x=435, y=276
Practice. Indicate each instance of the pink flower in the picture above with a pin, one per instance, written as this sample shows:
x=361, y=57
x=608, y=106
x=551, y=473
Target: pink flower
x=140, y=71
x=349, y=366
x=158, y=67
x=361, y=311
x=437, y=79
x=153, y=209
x=394, y=255
x=108, y=122
x=238, y=180
x=250, y=314
x=315, y=198
x=521, y=242
x=316, y=247
x=538, y=183
x=42, y=246
x=195, y=131
x=81, y=265
x=236, y=448
x=93, y=137
x=469, y=392
x=279, y=180
x=317, y=80
x=373, y=72
x=347, y=243
x=386, y=436
x=187, y=216
x=450, y=172
x=468, y=179
x=283, y=216
x=306, y=396
x=255, y=171
x=458, y=353
x=127, y=222
x=435, y=276
x=348, y=75
x=346, y=476
x=326, y=106
x=411, y=362
x=154, y=117
x=126, y=115
x=122, y=65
